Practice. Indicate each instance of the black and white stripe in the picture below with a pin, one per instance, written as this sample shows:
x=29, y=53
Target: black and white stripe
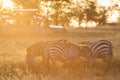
x=64, y=52
x=39, y=49
x=86, y=53
x=35, y=50
x=100, y=49
x=57, y=50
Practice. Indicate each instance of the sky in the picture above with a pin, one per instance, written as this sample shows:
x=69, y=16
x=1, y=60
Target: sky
x=6, y=3
x=104, y=2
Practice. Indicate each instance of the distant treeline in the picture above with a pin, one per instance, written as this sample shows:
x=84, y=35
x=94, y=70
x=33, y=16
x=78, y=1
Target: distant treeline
x=62, y=12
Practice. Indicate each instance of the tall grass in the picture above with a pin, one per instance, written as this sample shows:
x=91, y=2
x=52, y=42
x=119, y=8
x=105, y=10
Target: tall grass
x=13, y=65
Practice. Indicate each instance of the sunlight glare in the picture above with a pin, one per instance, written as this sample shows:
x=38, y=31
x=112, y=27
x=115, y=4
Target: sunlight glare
x=7, y=4
x=104, y=2
x=74, y=22
x=113, y=18
x=83, y=25
x=90, y=24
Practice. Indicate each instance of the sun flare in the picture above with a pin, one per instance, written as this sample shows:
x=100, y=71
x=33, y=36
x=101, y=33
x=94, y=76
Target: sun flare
x=6, y=3
x=104, y=2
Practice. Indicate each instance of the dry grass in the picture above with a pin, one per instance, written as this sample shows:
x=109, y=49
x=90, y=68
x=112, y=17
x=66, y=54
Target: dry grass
x=14, y=67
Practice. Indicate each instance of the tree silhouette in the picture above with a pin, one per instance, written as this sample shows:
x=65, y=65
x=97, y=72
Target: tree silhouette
x=58, y=15
x=90, y=11
x=101, y=18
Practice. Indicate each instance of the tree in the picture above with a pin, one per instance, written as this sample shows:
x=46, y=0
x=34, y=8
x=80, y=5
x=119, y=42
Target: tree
x=78, y=10
x=90, y=11
x=101, y=17
x=57, y=14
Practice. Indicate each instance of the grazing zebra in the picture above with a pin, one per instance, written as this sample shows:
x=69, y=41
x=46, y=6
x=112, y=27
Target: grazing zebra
x=65, y=52
x=68, y=53
x=56, y=50
x=38, y=49
x=87, y=53
x=100, y=49
x=35, y=50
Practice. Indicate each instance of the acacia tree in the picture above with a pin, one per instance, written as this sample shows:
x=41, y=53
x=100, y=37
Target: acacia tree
x=90, y=12
x=56, y=6
x=77, y=10
x=102, y=16
x=63, y=10
x=58, y=15
x=59, y=12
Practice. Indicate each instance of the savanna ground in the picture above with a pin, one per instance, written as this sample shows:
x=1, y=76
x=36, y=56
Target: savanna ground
x=12, y=55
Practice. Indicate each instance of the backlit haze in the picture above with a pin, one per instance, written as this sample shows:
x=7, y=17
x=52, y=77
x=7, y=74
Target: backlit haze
x=113, y=15
x=7, y=3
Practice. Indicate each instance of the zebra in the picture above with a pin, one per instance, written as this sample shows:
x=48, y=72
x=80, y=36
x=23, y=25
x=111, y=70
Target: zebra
x=101, y=49
x=65, y=52
x=34, y=51
x=38, y=49
x=62, y=50
x=86, y=53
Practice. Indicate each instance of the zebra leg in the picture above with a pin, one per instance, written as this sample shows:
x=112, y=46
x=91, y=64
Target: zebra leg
x=89, y=63
x=53, y=66
x=108, y=63
x=46, y=61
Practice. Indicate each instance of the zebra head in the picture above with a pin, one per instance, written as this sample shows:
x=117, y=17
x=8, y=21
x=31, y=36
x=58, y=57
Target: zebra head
x=30, y=57
x=34, y=51
x=89, y=43
x=83, y=49
x=86, y=52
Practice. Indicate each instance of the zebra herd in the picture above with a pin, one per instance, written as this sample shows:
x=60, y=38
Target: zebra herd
x=68, y=52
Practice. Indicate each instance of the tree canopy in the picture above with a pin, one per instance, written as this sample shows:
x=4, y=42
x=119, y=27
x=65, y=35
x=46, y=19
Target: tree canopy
x=60, y=12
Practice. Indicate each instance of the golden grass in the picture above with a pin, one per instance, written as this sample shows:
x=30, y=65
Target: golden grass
x=14, y=67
